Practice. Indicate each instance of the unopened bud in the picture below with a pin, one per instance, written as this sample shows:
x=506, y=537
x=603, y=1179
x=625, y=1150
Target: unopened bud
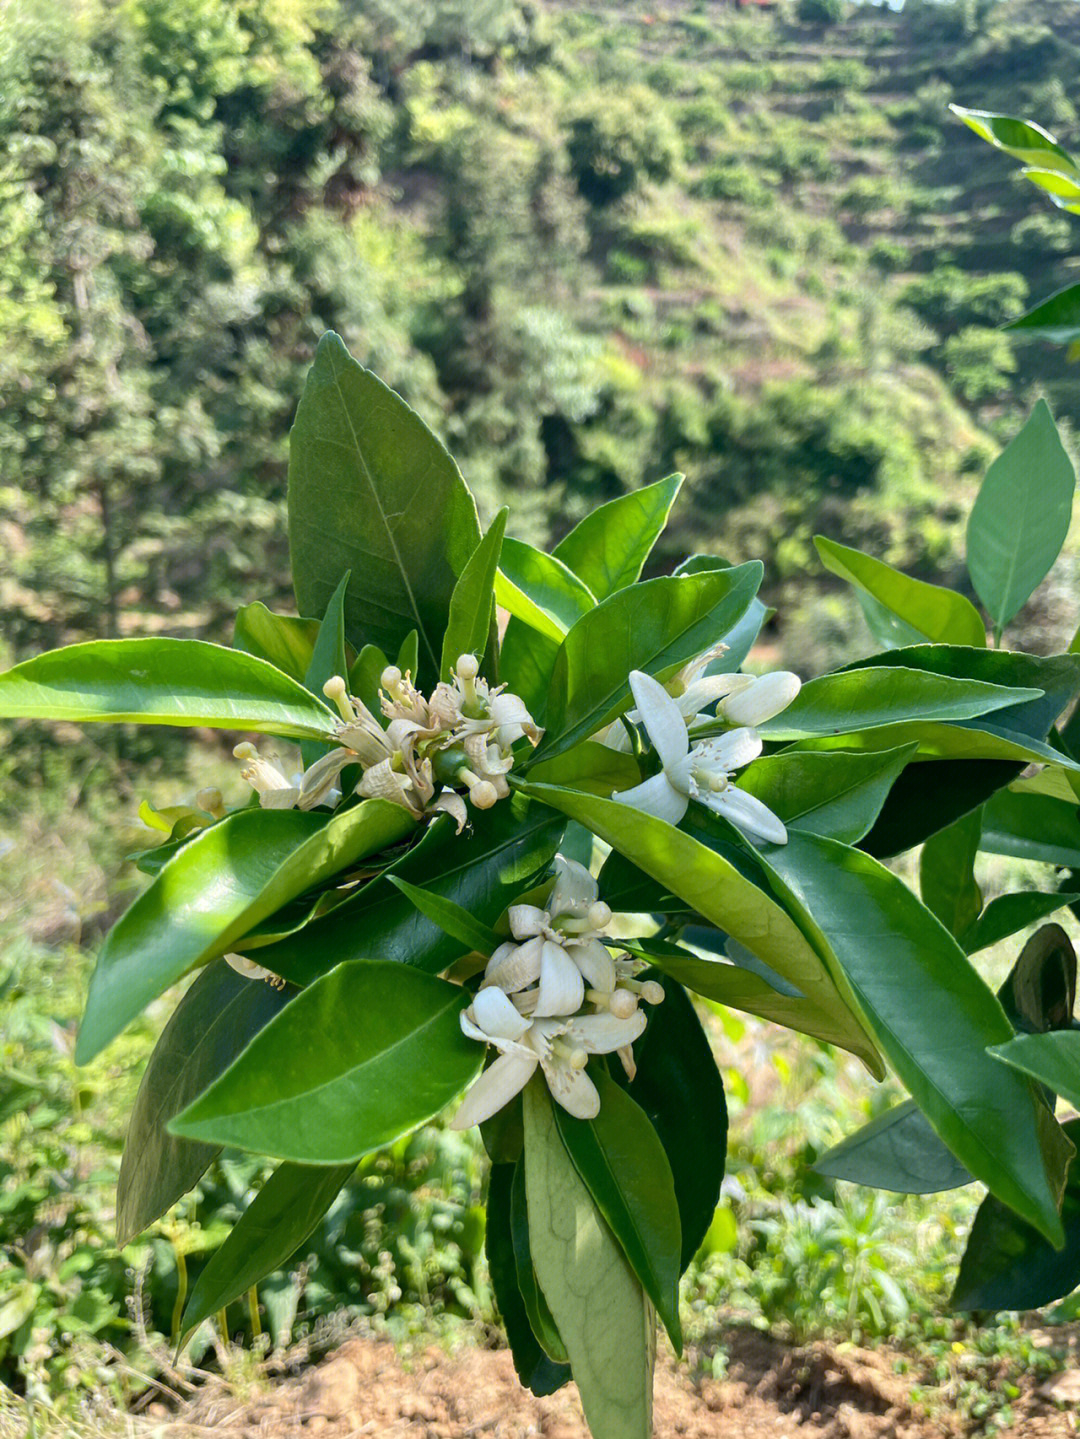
x=467, y=667
x=623, y=1004
x=599, y=915
x=762, y=700
x=212, y=801
x=245, y=750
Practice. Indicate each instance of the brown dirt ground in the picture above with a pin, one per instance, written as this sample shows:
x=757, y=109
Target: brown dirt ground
x=770, y=1392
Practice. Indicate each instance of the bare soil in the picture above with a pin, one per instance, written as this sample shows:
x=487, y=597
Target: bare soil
x=769, y=1392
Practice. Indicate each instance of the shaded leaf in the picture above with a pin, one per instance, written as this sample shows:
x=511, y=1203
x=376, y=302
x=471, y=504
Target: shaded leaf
x=455, y=921
x=947, y=874
x=284, y=640
x=472, y=605
x=1056, y=319
x=835, y=794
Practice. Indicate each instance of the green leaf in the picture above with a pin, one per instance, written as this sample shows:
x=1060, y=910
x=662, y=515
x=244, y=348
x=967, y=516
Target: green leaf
x=835, y=794
x=711, y=884
x=1063, y=191
x=947, y=874
x=1020, y=518
x=625, y=1169
x=679, y=1087
x=373, y=491
x=597, y=1303
x=283, y=640
x=358, y=1059
x=1056, y=319
x=366, y=674
x=1053, y=1059
x=898, y=1151
x=213, y=891
x=328, y=657
x=934, y=613
x=455, y=921
x=608, y=548
x=931, y=1014
x=472, y=605
x=657, y=627
x=540, y=590
x=534, y=1368
x=1033, y=827
x=742, y=637
x=163, y=681
x=271, y=1229
x=213, y=1022
x=536, y=1306
x=482, y=871
x=526, y=661
x=591, y=767
x=408, y=655
x=865, y=698
x=1009, y=913
x=1022, y=139
x=1009, y=1265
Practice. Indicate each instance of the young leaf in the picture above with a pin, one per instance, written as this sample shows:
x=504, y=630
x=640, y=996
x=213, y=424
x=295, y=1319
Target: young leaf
x=213, y=1022
x=1022, y=139
x=372, y=490
x=608, y=548
x=328, y=656
x=366, y=675
x=271, y=1229
x=455, y=921
x=163, y=681
x=373, y=1048
x=209, y=895
x=1020, y=518
x=540, y=590
x=597, y=1303
x=283, y=640
x=472, y=604
x=934, y=613
x=1056, y=319
x=1063, y=191
x=835, y=794
x=947, y=874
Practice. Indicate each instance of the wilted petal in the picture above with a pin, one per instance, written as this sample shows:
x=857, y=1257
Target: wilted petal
x=286, y=798
x=247, y=967
x=656, y=796
x=603, y=1033
x=596, y=964
x=319, y=780
x=562, y=988
x=747, y=813
x=496, y=1086
x=661, y=717
x=496, y=1016
x=451, y=803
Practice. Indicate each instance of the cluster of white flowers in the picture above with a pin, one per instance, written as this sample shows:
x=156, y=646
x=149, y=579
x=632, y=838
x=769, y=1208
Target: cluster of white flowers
x=553, y=996
x=461, y=737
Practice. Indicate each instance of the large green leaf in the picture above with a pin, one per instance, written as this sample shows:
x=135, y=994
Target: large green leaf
x=947, y=874
x=1056, y=319
x=1008, y=914
x=1022, y=139
x=932, y=1016
x=679, y=1087
x=213, y=891
x=1033, y=827
x=472, y=605
x=451, y=918
x=1053, y=1059
x=328, y=657
x=359, y=1058
x=163, y=681
x=213, y=1022
x=483, y=871
x=271, y=1229
x=657, y=627
x=284, y=640
x=711, y=884
x=836, y=794
x=536, y=1306
x=373, y=491
x=619, y=1156
x=602, y=1314
x=933, y=612
x=608, y=548
x=540, y=590
x=1020, y=518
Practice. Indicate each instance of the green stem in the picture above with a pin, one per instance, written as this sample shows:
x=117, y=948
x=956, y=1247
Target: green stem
x=253, y=1311
x=223, y=1327
x=181, y=1293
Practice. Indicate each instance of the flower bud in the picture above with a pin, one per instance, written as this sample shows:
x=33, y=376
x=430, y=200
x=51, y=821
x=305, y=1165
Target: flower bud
x=762, y=700
x=211, y=801
x=599, y=915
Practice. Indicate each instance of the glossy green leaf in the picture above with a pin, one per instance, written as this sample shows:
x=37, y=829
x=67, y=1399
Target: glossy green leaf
x=540, y=590
x=408, y=655
x=163, y=681
x=270, y=1231
x=1032, y=826
x=534, y=1368
x=657, y=627
x=1009, y=1265
x=540, y=1316
x=455, y=921
x=526, y=661
x=1022, y=139
x=358, y=1059
x=213, y=891
x=284, y=640
x=365, y=676
x=210, y=1026
x=866, y=698
x=373, y=491
x=1056, y=319
x=884, y=947
x=1062, y=189
x=899, y=1152
x=604, y=1318
x=1020, y=518
x=835, y=794
x=1009, y=913
x=472, y=605
x=679, y=1087
x=608, y=548
x=328, y=655
x=947, y=874
x=589, y=766
x=483, y=870
x=622, y=1162
x=1053, y=1059
x=711, y=884
x=935, y=613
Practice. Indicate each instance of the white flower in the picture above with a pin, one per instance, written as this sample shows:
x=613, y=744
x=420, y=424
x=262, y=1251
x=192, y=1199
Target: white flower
x=250, y=970
x=761, y=698
x=702, y=773
x=561, y=1048
x=267, y=779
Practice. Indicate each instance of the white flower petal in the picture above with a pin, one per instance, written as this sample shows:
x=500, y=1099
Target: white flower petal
x=662, y=718
x=527, y=920
x=562, y=988
x=496, y=1015
x=247, y=967
x=574, y=891
x=706, y=691
x=280, y=798
x=747, y=813
x=596, y=964
x=603, y=1033
x=731, y=751
x=496, y=1086
x=515, y=966
x=656, y=796
x=573, y=1089
x=765, y=698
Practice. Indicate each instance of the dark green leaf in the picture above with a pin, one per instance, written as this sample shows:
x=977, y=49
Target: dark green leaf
x=609, y=547
x=898, y=1151
x=1053, y=1059
x=358, y=1059
x=1010, y=913
x=1040, y=992
x=947, y=874
x=835, y=794
x=931, y=795
x=1032, y=826
x=932, y=612
x=373, y=491
x=328, y=657
x=285, y=641
x=472, y=604
x=455, y=921
x=1056, y=319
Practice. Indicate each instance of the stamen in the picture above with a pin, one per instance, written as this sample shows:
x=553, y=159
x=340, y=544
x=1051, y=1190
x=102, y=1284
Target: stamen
x=245, y=750
x=212, y=802
x=622, y=1004
x=335, y=689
